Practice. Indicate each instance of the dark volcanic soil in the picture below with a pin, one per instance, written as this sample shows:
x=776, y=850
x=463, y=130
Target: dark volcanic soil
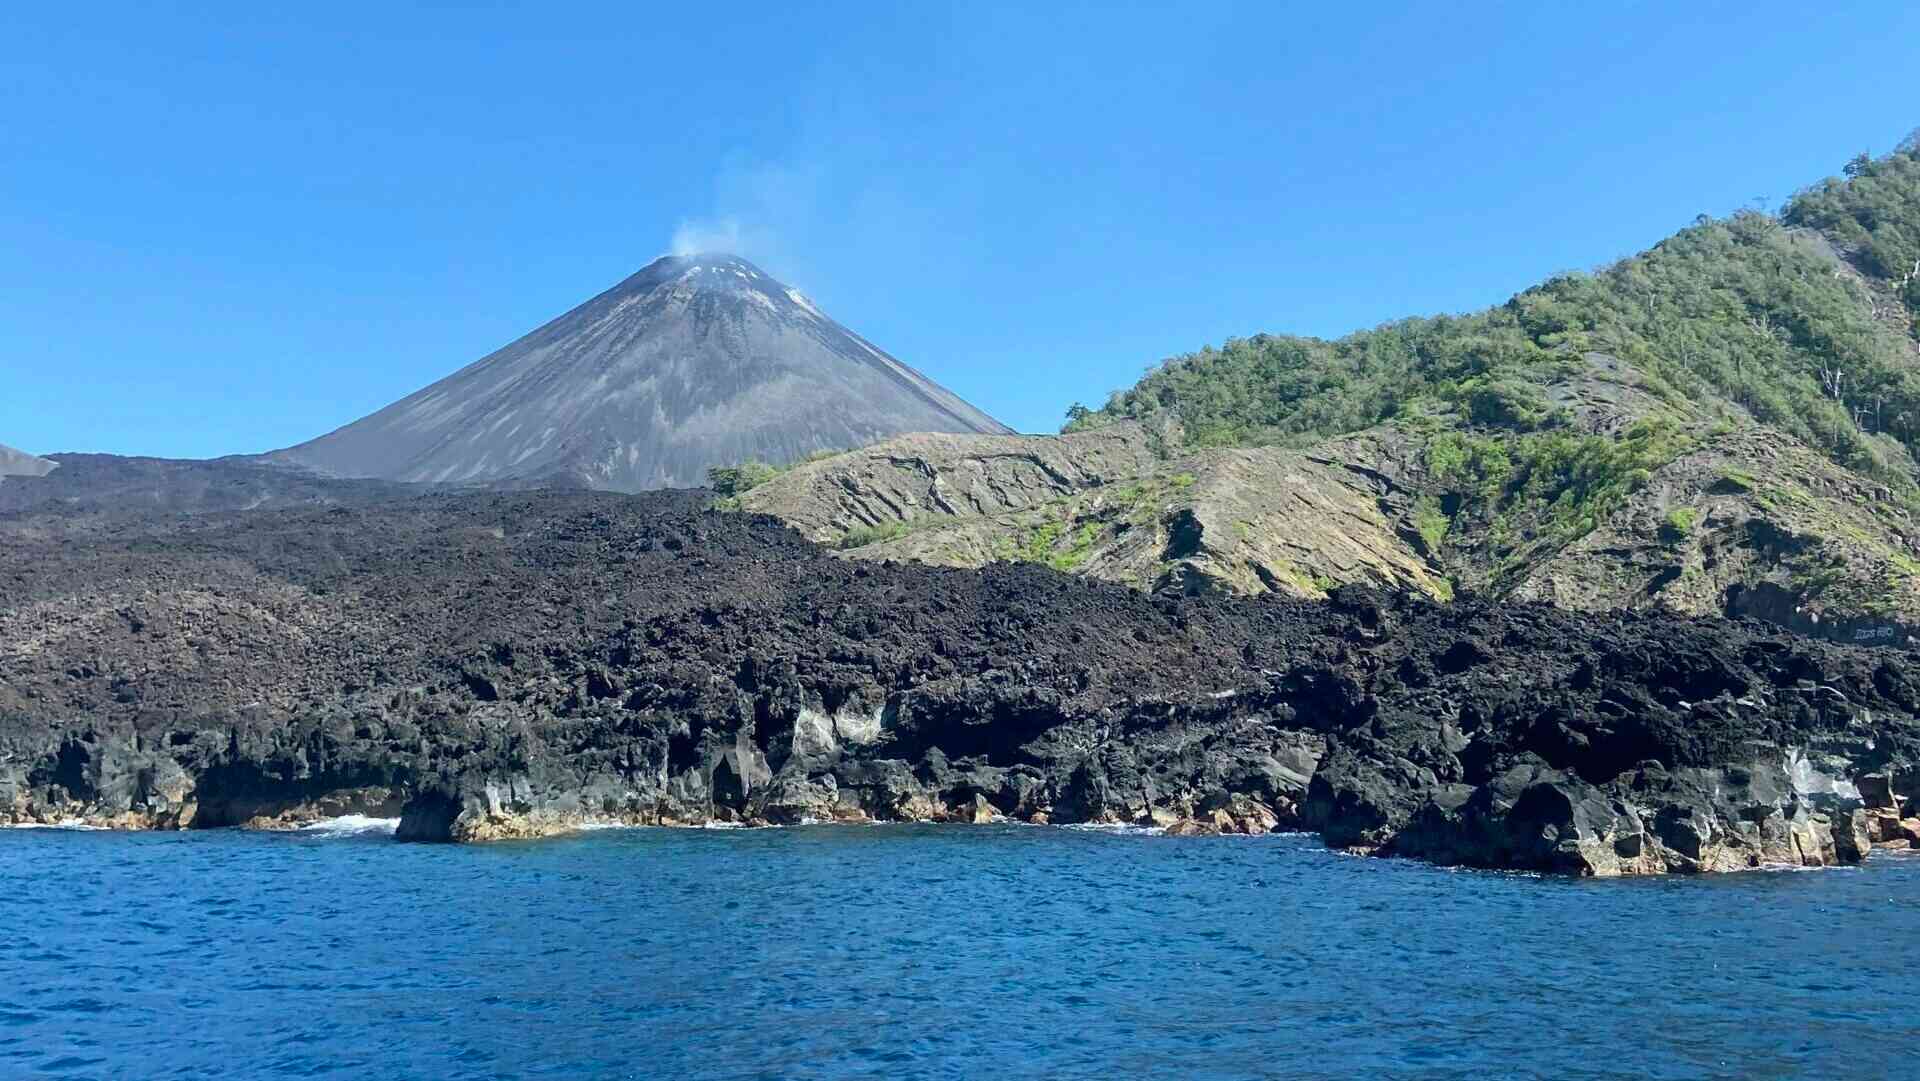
x=515, y=664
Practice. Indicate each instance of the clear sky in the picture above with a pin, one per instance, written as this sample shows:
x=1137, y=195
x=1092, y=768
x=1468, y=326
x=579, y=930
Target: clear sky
x=234, y=229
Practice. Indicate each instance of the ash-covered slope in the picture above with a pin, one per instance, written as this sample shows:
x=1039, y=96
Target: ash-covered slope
x=87, y=487
x=691, y=363
x=18, y=463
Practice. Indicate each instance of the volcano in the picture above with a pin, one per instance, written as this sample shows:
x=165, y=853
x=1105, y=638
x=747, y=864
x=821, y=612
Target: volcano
x=694, y=362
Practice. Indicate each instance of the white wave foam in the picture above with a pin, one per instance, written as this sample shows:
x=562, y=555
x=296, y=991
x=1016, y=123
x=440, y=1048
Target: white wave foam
x=596, y=827
x=604, y=825
x=350, y=826
x=1118, y=829
x=1792, y=868
x=63, y=824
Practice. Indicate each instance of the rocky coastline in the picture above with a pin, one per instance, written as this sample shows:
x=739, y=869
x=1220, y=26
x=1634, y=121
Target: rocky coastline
x=505, y=665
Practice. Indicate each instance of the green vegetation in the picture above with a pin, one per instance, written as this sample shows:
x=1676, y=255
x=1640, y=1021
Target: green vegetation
x=1750, y=318
x=1036, y=543
x=1678, y=524
x=862, y=535
x=1140, y=501
x=1301, y=579
x=1431, y=522
x=1539, y=488
x=1080, y=549
x=732, y=481
x=1735, y=480
x=1746, y=310
x=1308, y=583
x=1780, y=497
x=1477, y=465
x=1870, y=216
x=1042, y=543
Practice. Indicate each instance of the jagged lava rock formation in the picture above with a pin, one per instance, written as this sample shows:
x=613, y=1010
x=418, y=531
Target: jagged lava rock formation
x=694, y=362
x=507, y=665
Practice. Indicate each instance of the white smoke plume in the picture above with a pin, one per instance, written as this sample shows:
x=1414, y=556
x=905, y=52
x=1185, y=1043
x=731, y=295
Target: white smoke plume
x=696, y=237
x=763, y=211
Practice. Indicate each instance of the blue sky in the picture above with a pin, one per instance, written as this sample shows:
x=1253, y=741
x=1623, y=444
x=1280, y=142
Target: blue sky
x=233, y=230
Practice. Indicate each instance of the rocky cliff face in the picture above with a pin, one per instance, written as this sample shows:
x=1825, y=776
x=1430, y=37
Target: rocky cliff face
x=924, y=480
x=1112, y=504
x=1744, y=521
x=691, y=363
x=500, y=665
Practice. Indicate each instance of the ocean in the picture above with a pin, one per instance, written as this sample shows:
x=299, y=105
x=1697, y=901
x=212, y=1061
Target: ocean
x=977, y=952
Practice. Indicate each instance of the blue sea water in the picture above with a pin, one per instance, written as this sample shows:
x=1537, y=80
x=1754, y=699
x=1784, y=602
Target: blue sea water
x=923, y=951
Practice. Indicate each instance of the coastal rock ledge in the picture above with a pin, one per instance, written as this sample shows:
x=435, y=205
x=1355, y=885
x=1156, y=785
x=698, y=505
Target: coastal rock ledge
x=498, y=666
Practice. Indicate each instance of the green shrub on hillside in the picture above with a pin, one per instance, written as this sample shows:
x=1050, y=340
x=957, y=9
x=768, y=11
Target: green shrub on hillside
x=862, y=535
x=1470, y=464
x=1559, y=485
x=1678, y=523
x=735, y=480
x=1505, y=402
x=1431, y=523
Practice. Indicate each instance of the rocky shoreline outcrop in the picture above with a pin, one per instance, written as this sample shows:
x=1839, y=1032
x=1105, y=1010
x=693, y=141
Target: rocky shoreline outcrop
x=490, y=666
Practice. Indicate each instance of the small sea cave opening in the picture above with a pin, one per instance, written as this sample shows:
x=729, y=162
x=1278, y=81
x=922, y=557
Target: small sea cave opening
x=70, y=769
x=726, y=786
